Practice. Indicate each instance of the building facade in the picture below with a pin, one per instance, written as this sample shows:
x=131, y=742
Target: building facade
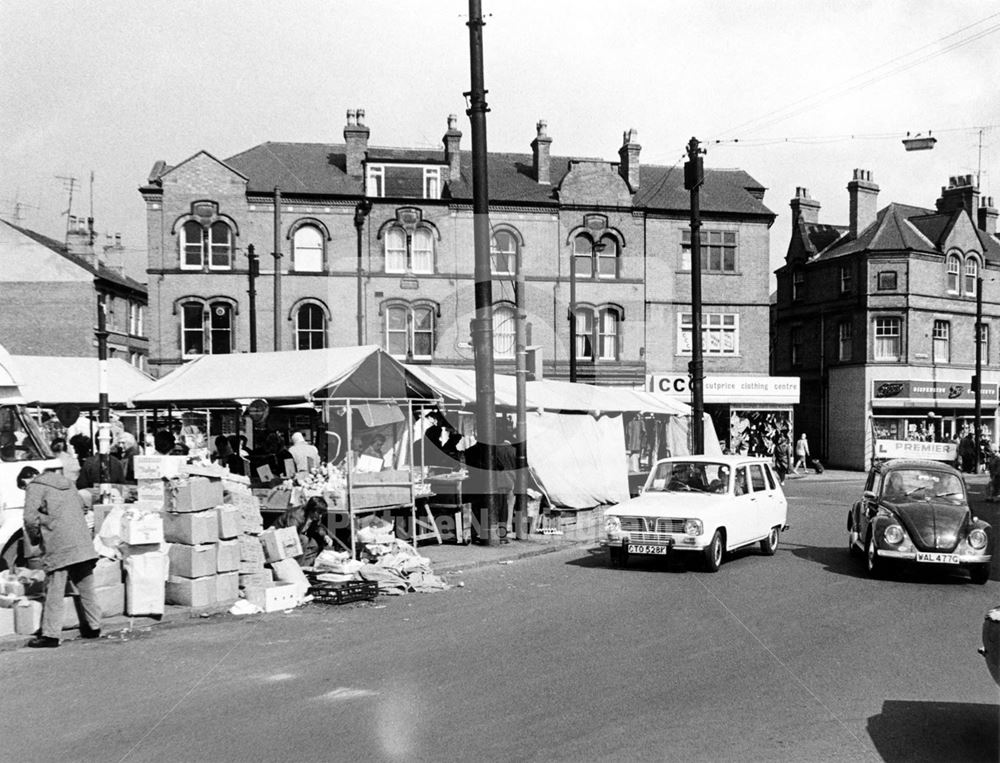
x=878, y=319
x=49, y=295
x=376, y=246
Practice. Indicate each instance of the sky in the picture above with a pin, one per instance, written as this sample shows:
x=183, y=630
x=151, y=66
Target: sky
x=796, y=92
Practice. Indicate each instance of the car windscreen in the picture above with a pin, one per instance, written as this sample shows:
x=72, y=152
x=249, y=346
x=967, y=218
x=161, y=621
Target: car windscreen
x=901, y=484
x=690, y=475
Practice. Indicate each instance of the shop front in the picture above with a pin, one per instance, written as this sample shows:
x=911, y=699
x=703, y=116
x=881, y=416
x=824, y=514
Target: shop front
x=748, y=411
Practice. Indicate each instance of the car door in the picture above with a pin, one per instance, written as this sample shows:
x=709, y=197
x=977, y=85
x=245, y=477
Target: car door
x=762, y=503
x=867, y=504
x=739, y=520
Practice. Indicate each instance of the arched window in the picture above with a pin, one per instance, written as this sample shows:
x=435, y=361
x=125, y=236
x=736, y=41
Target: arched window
x=503, y=331
x=954, y=271
x=221, y=246
x=310, y=328
x=503, y=253
x=192, y=251
x=607, y=338
x=395, y=251
x=423, y=251
x=410, y=331
x=584, y=333
x=595, y=259
x=206, y=328
x=971, y=275
x=607, y=258
x=307, y=249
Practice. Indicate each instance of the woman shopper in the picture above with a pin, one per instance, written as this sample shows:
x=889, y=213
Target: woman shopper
x=801, y=453
x=54, y=518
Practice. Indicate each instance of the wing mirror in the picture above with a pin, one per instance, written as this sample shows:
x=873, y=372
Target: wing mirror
x=869, y=495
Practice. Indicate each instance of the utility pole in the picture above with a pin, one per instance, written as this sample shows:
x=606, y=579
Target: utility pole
x=694, y=176
x=572, y=316
x=482, y=324
x=977, y=384
x=521, y=529
x=252, y=292
x=103, y=408
x=277, y=269
x=361, y=211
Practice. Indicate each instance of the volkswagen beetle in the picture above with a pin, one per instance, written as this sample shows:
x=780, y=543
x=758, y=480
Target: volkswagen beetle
x=918, y=511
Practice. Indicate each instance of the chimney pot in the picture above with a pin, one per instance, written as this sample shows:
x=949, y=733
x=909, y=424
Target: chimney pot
x=452, y=122
x=350, y=118
x=361, y=117
x=541, y=127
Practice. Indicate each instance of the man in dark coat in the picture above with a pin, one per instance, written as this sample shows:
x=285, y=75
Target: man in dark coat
x=54, y=518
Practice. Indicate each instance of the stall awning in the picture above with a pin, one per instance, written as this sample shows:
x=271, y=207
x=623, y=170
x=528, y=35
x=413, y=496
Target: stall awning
x=459, y=385
x=284, y=377
x=51, y=380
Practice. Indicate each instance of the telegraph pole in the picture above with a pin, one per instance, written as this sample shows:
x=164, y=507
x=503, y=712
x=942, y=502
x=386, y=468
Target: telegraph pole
x=978, y=381
x=252, y=292
x=103, y=407
x=482, y=324
x=277, y=269
x=521, y=529
x=694, y=176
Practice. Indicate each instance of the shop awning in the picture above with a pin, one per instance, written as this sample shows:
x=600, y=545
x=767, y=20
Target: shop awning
x=51, y=380
x=284, y=377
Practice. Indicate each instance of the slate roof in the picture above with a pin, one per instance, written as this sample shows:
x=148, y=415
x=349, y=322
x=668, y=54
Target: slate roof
x=318, y=169
x=901, y=227
x=100, y=271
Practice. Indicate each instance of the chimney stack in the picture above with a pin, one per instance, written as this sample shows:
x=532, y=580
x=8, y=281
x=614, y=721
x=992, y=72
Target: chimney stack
x=629, y=155
x=540, y=151
x=452, y=154
x=804, y=207
x=988, y=216
x=863, y=195
x=356, y=138
x=961, y=193
x=78, y=240
x=113, y=257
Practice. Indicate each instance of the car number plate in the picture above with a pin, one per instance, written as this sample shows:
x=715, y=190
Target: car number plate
x=922, y=556
x=647, y=548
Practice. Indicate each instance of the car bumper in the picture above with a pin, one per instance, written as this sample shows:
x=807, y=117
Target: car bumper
x=911, y=556
x=673, y=541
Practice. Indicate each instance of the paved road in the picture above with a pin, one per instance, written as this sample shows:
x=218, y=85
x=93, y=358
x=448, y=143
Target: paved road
x=797, y=657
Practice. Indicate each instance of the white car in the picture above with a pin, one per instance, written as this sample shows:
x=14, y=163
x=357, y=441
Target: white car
x=704, y=505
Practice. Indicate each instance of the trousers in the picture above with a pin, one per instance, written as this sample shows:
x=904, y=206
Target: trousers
x=80, y=575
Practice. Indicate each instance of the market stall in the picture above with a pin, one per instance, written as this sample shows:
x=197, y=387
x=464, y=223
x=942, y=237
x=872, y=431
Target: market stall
x=359, y=402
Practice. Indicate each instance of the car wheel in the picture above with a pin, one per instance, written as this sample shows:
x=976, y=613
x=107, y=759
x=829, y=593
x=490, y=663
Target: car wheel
x=713, y=553
x=873, y=562
x=770, y=544
x=980, y=573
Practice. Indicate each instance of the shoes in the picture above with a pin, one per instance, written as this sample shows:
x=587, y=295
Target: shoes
x=86, y=632
x=43, y=642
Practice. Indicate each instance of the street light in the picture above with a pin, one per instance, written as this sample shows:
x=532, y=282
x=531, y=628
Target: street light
x=595, y=247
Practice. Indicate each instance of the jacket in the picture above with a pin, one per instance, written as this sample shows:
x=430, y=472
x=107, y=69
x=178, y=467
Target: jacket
x=54, y=516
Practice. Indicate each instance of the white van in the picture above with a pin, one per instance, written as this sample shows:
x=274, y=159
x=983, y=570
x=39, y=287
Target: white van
x=21, y=445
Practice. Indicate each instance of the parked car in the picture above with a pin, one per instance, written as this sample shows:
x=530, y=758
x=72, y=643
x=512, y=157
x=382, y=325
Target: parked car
x=991, y=643
x=918, y=511
x=699, y=506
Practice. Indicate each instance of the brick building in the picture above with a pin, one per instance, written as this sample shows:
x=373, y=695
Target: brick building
x=49, y=294
x=395, y=226
x=877, y=318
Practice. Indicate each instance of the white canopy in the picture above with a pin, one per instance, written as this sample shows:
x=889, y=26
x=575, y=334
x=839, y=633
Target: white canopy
x=284, y=377
x=50, y=380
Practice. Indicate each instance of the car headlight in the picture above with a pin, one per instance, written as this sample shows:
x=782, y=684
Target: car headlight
x=978, y=539
x=893, y=534
x=612, y=525
x=693, y=527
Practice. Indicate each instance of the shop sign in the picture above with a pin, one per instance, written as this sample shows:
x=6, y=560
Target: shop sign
x=729, y=389
x=943, y=391
x=936, y=451
x=258, y=410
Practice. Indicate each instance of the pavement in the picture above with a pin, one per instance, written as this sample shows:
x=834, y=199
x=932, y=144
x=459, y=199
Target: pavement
x=576, y=528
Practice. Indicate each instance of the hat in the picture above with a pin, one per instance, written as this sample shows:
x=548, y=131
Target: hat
x=25, y=476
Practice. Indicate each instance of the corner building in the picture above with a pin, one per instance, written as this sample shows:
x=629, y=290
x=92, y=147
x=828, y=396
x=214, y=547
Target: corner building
x=394, y=227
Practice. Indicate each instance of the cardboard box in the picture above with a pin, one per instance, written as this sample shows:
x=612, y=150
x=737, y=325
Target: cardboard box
x=27, y=617
x=192, y=529
x=194, y=494
x=145, y=581
x=141, y=529
x=229, y=521
x=228, y=557
x=154, y=491
x=193, y=561
x=260, y=579
x=280, y=543
x=108, y=572
x=275, y=598
x=101, y=510
x=227, y=587
x=157, y=467
x=111, y=599
x=192, y=592
x=251, y=520
x=11, y=588
x=7, y=622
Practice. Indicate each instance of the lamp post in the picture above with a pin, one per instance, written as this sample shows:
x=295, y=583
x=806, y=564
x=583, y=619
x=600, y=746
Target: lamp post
x=978, y=381
x=104, y=409
x=253, y=272
x=361, y=211
x=694, y=176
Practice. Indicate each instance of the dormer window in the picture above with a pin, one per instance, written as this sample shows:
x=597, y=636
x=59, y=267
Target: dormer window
x=403, y=181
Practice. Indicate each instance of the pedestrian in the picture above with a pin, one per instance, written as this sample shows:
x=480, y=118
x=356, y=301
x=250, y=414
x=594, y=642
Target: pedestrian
x=70, y=466
x=993, y=465
x=801, y=453
x=309, y=521
x=90, y=472
x=304, y=454
x=54, y=519
x=967, y=453
x=782, y=456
